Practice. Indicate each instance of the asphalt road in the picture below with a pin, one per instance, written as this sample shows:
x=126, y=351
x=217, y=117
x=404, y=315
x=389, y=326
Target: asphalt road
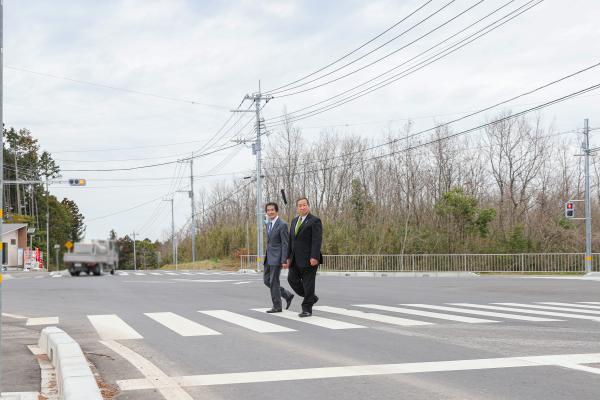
x=198, y=336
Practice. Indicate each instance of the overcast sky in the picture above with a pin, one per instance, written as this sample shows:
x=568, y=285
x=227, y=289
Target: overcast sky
x=204, y=56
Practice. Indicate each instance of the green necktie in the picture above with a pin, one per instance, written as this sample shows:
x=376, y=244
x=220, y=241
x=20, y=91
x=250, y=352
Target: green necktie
x=298, y=223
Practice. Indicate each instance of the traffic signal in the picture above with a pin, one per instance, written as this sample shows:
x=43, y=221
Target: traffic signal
x=77, y=182
x=569, y=209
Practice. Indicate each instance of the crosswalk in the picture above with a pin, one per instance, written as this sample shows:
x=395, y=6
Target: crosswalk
x=200, y=323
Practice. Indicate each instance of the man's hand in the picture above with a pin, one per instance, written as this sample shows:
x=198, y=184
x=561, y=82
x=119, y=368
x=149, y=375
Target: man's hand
x=314, y=262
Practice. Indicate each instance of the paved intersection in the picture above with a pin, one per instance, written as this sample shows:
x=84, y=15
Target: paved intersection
x=205, y=335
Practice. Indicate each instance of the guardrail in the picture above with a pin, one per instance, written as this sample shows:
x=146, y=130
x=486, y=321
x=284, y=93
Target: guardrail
x=523, y=262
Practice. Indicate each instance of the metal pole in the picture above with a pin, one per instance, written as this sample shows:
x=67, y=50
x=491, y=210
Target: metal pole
x=56, y=249
x=588, y=207
x=173, y=233
x=193, y=208
x=47, y=227
x=134, y=255
x=259, y=214
x=1, y=170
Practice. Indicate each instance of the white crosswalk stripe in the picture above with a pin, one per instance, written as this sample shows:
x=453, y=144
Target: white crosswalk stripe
x=526, y=311
x=181, y=325
x=482, y=313
x=372, y=316
x=551, y=308
x=111, y=327
x=139, y=273
x=123, y=273
x=253, y=324
x=583, y=306
x=42, y=321
x=171, y=273
x=429, y=314
x=155, y=273
x=186, y=273
x=318, y=321
x=590, y=302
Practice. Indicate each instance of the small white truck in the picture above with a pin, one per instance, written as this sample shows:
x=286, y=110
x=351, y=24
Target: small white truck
x=95, y=257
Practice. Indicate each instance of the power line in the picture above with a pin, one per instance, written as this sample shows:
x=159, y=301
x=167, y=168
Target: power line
x=338, y=103
x=544, y=86
x=353, y=51
x=377, y=48
x=101, y=85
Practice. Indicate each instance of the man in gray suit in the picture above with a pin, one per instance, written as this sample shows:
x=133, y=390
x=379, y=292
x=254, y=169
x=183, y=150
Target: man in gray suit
x=276, y=257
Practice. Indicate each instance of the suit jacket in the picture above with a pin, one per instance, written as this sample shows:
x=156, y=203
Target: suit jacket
x=307, y=243
x=277, y=244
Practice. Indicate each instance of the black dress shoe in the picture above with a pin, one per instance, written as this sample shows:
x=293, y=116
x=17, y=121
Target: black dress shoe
x=288, y=301
x=274, y=310
x=304, y=314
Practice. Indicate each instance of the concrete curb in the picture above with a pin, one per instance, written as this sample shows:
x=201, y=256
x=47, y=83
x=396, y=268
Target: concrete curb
x=73, y=375
x=433, y=274
x=425, y=274
x=19, y=396
x=592, y=275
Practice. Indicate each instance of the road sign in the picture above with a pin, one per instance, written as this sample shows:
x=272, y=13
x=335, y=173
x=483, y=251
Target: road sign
x=69, y=245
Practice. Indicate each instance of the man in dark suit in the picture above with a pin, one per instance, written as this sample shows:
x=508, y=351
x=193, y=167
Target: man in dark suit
x=276, y=257
x=304, y=254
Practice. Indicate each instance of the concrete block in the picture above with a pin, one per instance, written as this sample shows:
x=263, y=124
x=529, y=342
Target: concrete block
x=79, y=388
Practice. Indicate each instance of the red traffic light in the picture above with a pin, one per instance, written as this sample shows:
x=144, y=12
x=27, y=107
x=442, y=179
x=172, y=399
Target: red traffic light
x=569, y=206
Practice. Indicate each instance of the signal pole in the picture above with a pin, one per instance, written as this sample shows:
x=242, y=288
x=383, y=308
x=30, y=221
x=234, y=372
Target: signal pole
x=173, y=231
x=134, y=254
x=257, y=98
x=588, y=207
x=193, y=208
x=47, y=228
x=1, y=170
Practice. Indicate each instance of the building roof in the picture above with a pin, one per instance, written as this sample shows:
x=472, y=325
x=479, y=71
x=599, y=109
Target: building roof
x=12, y=227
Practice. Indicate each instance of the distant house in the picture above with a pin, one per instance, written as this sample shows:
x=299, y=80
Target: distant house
x=14, y=242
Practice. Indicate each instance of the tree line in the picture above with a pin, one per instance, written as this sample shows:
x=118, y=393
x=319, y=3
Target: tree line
x=28, y=203
x=498, y=190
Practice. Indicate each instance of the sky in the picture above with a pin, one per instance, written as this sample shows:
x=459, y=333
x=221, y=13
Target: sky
x=151, y=81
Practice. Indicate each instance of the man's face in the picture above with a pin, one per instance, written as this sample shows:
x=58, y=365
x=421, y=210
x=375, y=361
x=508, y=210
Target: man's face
x=271, y=213
x=303, y=208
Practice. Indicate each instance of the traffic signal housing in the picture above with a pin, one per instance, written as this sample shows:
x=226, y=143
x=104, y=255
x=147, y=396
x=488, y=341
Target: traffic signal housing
x=569, y=209
x=77, y=182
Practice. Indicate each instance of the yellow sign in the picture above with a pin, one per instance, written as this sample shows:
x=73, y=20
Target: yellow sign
x=1, y=277
x=69, y=245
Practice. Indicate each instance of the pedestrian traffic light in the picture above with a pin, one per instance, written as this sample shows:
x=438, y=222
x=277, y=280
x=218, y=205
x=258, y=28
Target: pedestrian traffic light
x=77, y=182
x=569, y=209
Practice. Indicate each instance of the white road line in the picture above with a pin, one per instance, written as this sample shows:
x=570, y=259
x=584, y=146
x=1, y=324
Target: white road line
x=139, y=273
x=318, y=321
x=155, y=273
x=205, y=280
x=186, y=273
x=242, y=283
x=450, y=317
x=572, y=361
x=123, y=273
x=386, y=319
x=42, y=321
x=551, y=308
x=523, y=310
x=171, y=273
x=112, y=327
x=256, y=325
x=181, y=325
x=483, y=313
x=154, y=376
x=589, y=302
x=583, y=306
x=13, y=316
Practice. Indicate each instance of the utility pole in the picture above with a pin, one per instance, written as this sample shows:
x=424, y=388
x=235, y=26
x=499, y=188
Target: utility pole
x=257, y=98
x=588, y=208
x=173, y=231
x=134, y=254
x=1, y=170
x=47, y=227
x=193, y=208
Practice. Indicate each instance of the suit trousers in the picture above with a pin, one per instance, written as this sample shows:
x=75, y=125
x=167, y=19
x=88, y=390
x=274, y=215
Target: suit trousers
x=271, y=279
x=302, y=281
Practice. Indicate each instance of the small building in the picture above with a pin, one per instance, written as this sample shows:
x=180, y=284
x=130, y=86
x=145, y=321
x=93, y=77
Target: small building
x=14, y=242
